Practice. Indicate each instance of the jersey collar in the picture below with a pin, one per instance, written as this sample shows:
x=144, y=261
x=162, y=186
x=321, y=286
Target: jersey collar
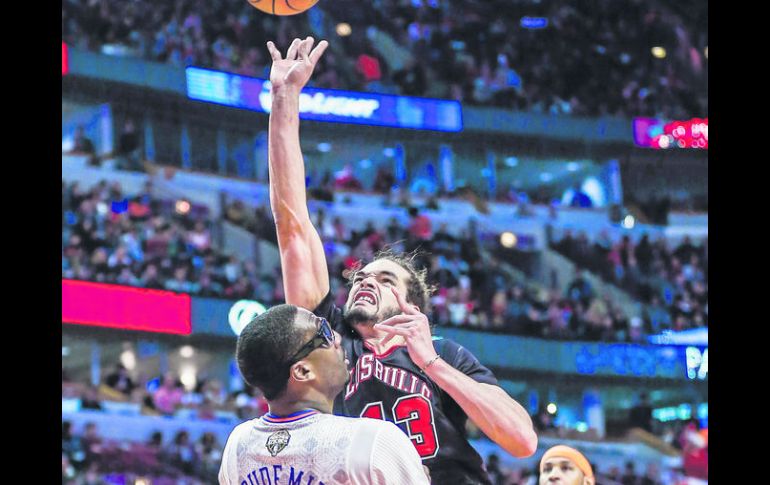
x=274, y=418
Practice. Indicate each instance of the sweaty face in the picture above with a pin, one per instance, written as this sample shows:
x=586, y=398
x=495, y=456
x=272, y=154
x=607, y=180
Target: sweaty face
x=560, y=471
x=370, y=299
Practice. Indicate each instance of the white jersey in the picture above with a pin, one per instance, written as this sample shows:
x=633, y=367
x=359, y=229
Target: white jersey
x=311, y=448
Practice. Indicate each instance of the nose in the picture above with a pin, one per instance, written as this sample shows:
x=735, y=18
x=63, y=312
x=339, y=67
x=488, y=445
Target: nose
x=554, y=477
x=368, y=281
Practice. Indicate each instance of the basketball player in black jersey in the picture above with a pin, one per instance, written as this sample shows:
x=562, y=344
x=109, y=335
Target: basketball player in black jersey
x=398, y=370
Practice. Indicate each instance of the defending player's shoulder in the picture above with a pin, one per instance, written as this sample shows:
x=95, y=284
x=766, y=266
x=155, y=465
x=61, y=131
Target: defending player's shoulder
x=392, y=458
x=229, y=464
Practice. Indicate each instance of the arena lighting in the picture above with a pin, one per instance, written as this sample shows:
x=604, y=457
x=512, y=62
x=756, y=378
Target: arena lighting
x=343, y=29
x=186, y=351
x=188, y=376
x=125, y=307
x=628, y=222
x=659, y=52
x=508, y=239
x=128, y=359
x=182, y=207
x=551, y=408
x=511, y=161
x=581, y=427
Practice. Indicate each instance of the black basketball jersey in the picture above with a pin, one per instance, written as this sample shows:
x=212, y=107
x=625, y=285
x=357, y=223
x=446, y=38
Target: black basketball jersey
x=390, y=386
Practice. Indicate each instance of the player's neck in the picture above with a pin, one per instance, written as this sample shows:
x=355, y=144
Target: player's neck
x=373, y=339
x=284, y=408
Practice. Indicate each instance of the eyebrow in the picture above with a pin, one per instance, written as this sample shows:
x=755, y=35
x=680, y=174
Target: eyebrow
x=377, y=273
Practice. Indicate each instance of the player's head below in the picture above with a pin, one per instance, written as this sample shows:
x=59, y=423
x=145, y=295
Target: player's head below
x=562, y=465
x=292, y=355
x=370, y=299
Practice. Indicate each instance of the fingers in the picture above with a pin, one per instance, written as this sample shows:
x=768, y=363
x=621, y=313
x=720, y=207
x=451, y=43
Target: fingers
x=405, y=307
x=274, y=53
x=387, y=338
x=304, y=48
x=396, y=320
x=291, y=54
x=318, y=51
x=393, y=331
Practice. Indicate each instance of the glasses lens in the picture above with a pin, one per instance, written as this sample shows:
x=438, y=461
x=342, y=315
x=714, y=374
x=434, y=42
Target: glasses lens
x=326, y=331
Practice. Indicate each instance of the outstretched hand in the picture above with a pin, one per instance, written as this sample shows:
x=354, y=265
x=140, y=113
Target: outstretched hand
x=295, y=70
x=414, y=327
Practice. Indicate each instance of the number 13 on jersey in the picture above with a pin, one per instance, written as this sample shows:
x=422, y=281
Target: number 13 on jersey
x=416, y=411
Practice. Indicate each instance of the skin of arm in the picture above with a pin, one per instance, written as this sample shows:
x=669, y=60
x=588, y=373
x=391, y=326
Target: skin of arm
x=500, y=417
x=303, y=262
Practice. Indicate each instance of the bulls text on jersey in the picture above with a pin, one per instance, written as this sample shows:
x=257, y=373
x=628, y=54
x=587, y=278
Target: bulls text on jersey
x=368, y=367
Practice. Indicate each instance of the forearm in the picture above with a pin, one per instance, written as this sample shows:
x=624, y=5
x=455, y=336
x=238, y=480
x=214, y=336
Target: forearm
x=298, y=241
x=501, y=418
x=286, y=165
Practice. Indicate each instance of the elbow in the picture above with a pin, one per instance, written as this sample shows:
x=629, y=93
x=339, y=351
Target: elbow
x=526, y=444
x=530, y=444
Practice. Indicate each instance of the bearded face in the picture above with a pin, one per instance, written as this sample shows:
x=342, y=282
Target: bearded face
x=370, y=299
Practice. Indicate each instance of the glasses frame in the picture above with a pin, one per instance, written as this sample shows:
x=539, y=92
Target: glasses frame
x=324, y=336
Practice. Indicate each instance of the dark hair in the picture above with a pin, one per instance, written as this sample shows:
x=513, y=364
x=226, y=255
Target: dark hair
x=418, y=289
x=266, y=342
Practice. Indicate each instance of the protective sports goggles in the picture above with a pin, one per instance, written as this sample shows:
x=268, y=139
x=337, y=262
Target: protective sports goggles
x=323, y=338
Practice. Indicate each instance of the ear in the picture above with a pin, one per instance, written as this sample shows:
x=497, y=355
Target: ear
x=301, y=372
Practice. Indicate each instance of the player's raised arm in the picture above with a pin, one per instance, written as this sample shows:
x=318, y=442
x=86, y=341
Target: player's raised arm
x=303, y=263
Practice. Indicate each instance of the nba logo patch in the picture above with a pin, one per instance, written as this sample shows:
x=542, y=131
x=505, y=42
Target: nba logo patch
x=277, y=441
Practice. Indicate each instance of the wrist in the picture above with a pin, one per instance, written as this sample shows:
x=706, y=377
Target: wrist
x=284, y=91
x=429, y=363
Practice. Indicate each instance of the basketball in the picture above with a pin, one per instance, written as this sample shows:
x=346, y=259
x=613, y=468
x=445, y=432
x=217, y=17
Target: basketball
x=283, y=7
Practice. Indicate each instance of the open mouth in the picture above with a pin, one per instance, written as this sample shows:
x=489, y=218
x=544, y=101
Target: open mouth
x=365, y=296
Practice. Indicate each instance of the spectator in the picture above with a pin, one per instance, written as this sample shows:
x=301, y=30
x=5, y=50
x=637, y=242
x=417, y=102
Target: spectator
x=580, y=289
x=92, y=444
x=209, y=456
x=72, y=447
x=384, y=180
x=120, y=381
x=182, y=452
x=420, y=226
x=83, y=145
x=694, y=443
x=346, y=179
x=168, y=397
x=90, y=399
x=128, y=153
x=629, y=475
x=494, y=470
